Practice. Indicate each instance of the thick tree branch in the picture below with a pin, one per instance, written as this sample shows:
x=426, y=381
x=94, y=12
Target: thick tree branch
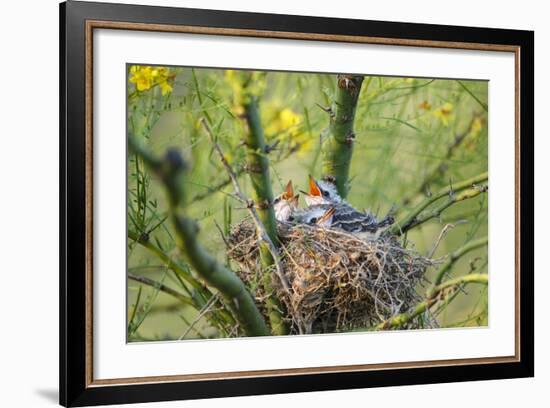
x=171, y=171
x=258, y=170
x=338, y=147
x=258, y=167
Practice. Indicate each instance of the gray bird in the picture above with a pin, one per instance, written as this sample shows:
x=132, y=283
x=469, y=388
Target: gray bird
x=346, y=218
x=318, y=215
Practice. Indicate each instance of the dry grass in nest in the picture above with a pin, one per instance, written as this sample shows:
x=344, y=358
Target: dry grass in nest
x=338, y=282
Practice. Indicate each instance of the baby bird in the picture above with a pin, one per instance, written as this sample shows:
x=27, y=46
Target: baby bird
x=364, y=225
x=321, y=192
x=319, y=215
x=285, y=203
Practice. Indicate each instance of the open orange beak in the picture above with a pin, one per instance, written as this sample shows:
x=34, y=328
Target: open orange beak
x=295, y=200
x=326, y=216
x=313, y=187
x=289, y=191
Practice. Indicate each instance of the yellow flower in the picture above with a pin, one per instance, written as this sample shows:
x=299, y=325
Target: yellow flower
x=286, y=126
x=146, y=77
x=165, y=87
x=306, y=145
x=233, y=79
x=473, y=134
x=425, y=105
x=141, y=77
x=282, y=120
x=289, y=118
x=245, y=86
x=476, y=127
x=229, y=75
x=445, y=113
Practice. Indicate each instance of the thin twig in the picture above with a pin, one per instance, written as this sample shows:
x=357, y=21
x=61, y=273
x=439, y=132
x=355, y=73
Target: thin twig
x=262, y=233
x=441, y=168
x=162, y=287
x=225, y=182
x=453, y=198
x=453, y=258
x=202, y=294
x=439, y=293
x=221, y=234
x=481, y=103
x=134, y=311
x=203, y=311
x=443, y=232
x=415, y=218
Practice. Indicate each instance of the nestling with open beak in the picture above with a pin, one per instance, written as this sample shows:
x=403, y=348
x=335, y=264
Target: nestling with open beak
x=321, y=192
x=285, y=203
x=362, y=224
x=317, y=215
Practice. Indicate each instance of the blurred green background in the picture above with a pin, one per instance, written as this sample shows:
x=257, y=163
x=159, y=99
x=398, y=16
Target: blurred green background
x=408, y=130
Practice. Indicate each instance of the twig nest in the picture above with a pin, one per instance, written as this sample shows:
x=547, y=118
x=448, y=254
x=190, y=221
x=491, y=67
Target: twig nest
x=338, y=281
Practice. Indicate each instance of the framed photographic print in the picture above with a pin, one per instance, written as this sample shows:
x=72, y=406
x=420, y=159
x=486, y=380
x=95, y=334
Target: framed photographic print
x=255, y=203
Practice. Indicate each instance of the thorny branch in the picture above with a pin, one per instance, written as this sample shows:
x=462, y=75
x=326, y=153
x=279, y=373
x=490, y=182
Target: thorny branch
x=338, y=148
x=416, y=216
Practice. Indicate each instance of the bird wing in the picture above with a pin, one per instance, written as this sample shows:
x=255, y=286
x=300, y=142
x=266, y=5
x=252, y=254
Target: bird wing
x=349, y=219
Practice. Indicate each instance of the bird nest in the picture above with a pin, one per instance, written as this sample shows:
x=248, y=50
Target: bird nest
x=336, y=282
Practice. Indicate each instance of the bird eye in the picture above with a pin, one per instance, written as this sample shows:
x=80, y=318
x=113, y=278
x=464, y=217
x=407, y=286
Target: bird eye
x=313, y=220
x=276, y=200
x=325, y=193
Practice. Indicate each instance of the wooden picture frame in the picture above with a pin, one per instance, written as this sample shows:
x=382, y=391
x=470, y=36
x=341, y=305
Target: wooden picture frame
x=78, y=20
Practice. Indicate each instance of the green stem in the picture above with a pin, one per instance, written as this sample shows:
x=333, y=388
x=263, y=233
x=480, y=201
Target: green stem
x=136, y=305
x=338, y=147
x=452, y=258
x=199, y=97
x=482, y=104
x=171, y=171
x=204, y=294
x=163, y=288
x=258, y=169
x=403, y=318
x=168, y=262
x=218, y=276
x=453, y=199
x=412, y=218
